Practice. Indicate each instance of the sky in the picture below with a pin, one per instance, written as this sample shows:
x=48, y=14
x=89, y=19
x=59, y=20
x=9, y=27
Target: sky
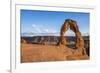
x=50, y=22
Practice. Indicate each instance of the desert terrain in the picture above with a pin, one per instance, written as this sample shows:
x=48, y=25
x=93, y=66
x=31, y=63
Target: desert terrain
x=45, y=48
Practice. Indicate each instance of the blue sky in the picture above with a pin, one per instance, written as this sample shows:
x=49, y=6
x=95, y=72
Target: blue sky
x=35, y=21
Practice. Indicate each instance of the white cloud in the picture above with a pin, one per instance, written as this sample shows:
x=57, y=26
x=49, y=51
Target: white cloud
x=46, y=30
x=69, y=33
x=41, y=29
x=49, y=30
x=34, y=25
x=36, y=28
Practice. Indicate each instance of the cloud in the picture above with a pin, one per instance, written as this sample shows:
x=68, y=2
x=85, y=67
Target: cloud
x=49, y=30
x=34, y=25
x=46, y=30
x=42, y=29
x=36, y=28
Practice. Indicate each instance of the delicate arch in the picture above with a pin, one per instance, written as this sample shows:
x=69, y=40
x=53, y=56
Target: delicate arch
x=69, y=23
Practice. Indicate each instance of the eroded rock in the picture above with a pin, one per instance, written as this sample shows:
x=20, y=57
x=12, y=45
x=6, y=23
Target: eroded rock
x=72, y=25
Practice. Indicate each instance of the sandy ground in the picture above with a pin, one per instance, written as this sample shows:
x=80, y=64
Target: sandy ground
x=41, y=53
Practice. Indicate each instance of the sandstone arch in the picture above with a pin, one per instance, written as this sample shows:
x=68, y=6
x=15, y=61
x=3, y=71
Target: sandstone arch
x=72, y=24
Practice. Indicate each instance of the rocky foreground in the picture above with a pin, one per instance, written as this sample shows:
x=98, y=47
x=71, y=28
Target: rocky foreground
x=41, y=53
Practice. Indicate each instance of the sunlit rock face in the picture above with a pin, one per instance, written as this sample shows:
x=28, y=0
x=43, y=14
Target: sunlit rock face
x=72, y=25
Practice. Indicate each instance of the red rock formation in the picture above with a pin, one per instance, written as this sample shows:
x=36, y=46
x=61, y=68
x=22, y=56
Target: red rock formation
x=69, y=23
